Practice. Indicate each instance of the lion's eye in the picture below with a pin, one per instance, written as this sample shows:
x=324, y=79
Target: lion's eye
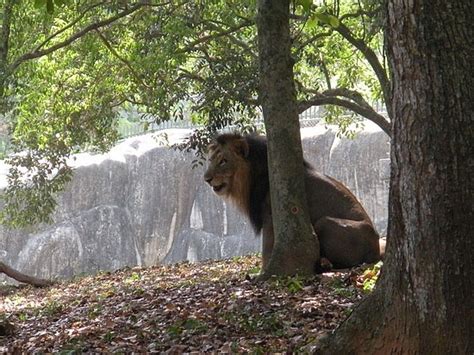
x=222, y=162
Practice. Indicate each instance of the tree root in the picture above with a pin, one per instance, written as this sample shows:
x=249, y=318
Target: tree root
x=20, y=277
x=358, y=334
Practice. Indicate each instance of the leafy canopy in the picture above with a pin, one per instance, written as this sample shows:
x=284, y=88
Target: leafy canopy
x=65, y=87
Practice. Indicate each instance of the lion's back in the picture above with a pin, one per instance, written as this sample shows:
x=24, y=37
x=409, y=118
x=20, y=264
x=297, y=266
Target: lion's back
x=329, y=197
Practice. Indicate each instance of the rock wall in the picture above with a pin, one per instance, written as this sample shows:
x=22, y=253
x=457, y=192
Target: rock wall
x=143, y=204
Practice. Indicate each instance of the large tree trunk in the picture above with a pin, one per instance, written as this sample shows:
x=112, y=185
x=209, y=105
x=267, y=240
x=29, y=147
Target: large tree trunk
x=424, y=300
x=296, y=249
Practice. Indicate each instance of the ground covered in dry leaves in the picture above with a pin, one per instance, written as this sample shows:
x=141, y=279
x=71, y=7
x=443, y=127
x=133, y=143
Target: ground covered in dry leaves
x=204, y=307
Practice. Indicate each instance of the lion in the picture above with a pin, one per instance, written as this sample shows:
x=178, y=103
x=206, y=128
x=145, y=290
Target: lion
x=238, y=171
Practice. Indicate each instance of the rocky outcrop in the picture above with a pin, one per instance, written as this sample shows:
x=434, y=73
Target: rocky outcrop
x=143, y=204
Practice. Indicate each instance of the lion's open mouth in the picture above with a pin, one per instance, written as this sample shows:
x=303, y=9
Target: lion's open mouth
x=218, y=188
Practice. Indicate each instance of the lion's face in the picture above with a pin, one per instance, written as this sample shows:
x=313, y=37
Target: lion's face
x=226, y=165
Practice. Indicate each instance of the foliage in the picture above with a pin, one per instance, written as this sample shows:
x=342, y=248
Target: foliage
x=58, y=107
x=293, y=284
x=65, y=88
x=341, y=287
x=370, y=277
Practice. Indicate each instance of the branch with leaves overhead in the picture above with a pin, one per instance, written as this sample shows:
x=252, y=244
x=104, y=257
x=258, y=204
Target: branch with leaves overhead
x=176, y=55
x=135, y=74
x=190, y=47
x=371, y=58
x=39, y=52
x=349, y=99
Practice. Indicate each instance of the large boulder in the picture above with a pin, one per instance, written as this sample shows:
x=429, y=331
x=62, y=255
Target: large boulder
x=143, y=204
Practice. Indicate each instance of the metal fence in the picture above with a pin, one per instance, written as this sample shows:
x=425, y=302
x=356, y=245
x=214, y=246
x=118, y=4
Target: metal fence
x=139, y=128
x=308, y=118
x=4, y=146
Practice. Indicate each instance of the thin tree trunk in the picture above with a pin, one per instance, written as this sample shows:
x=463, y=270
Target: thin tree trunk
x=424, y=301
x=18, y=276
x=6, y=15
x=295, y=249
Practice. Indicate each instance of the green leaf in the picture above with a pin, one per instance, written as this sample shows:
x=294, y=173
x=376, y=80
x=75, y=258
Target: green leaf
x=323, y=18
x=312, y=22
x=306, y=4
x=326, y=19
x=333, y=21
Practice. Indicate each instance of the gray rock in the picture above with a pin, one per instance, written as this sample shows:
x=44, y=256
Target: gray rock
x=143, y=204
x=98, y=239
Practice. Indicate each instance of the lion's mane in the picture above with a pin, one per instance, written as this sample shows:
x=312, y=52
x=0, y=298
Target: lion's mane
x=257, y=177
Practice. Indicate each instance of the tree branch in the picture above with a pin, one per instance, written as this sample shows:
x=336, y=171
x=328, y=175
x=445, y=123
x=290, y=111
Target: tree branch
x=40, y=53
x=191, y=46
x=18, y=276
x=57, y=33
x=366, y=51
x=372, y=59
x=361, y=12
x=357, y=105
x=350, y=94
x=190, y=75
x=313, y=39
x=235, y=40
x=325, y=71
x=123, y=60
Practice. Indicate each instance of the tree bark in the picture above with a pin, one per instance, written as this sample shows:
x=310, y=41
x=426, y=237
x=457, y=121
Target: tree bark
x=295, y=249
x=18, y=276
x=6, y=13
x=423, y=303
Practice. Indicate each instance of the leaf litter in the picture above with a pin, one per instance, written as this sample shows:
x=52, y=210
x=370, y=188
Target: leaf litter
x=210, y=306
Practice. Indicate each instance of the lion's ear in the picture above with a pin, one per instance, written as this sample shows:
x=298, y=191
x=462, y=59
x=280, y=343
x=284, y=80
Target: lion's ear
x=241, y=147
